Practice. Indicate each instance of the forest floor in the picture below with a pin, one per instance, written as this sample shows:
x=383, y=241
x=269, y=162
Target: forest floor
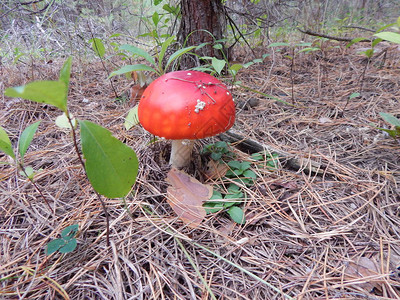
x=329, y=234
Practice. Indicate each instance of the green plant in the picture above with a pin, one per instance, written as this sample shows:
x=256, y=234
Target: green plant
x=217, y=151
x=110, y=165
x=392, y=120
x=67, y=243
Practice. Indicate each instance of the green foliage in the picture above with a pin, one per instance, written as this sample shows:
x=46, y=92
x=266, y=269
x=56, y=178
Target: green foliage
x=67, y=243
x=5, y=143
x=26, y=138
x=392, y=120
x=111, y=166
x=159, y=57
x=98, y=46
x=217, y=151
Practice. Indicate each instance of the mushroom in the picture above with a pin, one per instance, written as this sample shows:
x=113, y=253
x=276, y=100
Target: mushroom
x=183, y=106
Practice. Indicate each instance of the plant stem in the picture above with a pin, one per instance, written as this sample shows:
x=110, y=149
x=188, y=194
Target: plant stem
x=36, y=187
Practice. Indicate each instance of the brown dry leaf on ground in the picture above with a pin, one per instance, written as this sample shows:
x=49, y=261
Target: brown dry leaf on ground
x=365, y=271
x=186, y=196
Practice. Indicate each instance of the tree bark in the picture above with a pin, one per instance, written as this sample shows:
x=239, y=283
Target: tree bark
x=203, y=21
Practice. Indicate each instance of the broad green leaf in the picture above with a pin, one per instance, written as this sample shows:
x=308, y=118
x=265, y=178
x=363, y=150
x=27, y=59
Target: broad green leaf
x=26, y=138
x=49, y=92
x=237, y=214
x=111, y=166
x=156, y=2
x=389, y=36
x=69, y=246
x=98, y=46
x=249, y=174
x=54, y=245
x=236, y=67
x=390, y=119
x=164, y=48
x=132, y=118
x=62, y=121
x=130, y=68
x=278, y=45
x=218, y=64
x=139, y=52
x=69, y=231
x=5, y=143
x=178, y=54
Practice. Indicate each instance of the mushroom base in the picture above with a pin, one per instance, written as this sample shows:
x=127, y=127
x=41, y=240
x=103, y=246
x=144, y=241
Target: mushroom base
x=181, y=152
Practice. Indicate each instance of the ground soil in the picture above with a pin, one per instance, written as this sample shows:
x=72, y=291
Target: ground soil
x=329, y=234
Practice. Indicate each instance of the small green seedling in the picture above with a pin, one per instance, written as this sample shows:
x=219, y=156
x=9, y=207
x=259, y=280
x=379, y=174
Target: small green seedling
x=229, y=202
x=241, y=172
x=67, y=243
x=218, y=151
x=392, y=120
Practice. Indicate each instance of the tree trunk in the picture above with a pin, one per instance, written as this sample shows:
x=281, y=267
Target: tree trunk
x=203, y=21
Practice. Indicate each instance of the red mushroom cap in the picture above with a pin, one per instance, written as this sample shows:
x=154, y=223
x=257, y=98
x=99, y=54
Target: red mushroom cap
x=186, y=105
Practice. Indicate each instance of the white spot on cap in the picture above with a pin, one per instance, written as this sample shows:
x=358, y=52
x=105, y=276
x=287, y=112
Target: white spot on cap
x=227, y=93
x=189, y=74
x=199, y=106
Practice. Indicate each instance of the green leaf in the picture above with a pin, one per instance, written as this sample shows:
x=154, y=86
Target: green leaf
x=390, y=119
x=213, y=207
x=218, y=46
x=54, y=245
x=234, y=164
x=5, y=143
x=26, y=138
x=156, y=2
x=130, y=68
x=178, y=54
x=49, y=92
x=249, y=174
x=65, y=74
x=218, y=64
x=156, y=18
x=111, y=166
x=28, y=172
x=132, y=118
x=139, y=52
x=171, y=9
x=354, y=95
x=164, y=48
x=354, y=41
x=278, y=45
x=69, y=246
x=389, y=36
x=62, y=121
x=98, y=46
x=69, y=231
x=237, y=215
x=376, y=42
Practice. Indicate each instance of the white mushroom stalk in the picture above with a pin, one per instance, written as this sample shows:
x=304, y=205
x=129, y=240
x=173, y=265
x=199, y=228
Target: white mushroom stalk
x=181, y=153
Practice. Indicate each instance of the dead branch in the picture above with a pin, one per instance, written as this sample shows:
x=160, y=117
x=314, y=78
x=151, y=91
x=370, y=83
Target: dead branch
x=340, y=39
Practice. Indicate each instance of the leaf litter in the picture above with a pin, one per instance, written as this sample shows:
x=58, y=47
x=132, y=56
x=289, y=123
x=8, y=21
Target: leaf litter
x=306, y=230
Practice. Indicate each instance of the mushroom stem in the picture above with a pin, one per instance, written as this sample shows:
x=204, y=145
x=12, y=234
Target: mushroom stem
x=181, y=153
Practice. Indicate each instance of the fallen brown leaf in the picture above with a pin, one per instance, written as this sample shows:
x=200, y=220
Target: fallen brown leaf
x=366, y=268
x=186, y=196
x=215, y=170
